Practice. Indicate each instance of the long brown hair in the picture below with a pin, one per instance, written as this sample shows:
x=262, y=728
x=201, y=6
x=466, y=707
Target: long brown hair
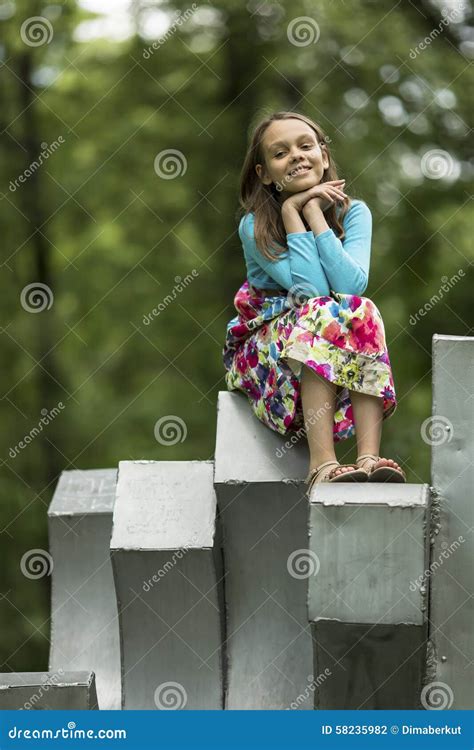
x=262, y=200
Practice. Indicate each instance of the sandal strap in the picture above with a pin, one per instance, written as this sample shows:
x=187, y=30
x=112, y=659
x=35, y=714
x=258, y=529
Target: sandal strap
x=368, y=455
x=314, y=472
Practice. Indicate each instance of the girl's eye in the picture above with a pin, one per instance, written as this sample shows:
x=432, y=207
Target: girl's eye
x=308, y=145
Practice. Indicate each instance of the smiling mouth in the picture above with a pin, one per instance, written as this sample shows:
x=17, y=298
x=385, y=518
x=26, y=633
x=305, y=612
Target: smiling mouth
x=299, y=170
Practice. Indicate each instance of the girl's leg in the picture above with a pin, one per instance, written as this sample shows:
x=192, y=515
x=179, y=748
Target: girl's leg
x=318, y=399
x=368, y=413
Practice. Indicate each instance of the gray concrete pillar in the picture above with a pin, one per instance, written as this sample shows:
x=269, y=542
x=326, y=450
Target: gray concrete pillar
x=261, y=495
x=368, y=548
x=57, y=691
x=166, y=556
x=450, y=432
x=84, y=629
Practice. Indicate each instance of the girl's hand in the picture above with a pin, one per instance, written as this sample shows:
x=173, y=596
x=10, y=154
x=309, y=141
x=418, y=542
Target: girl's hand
x=318, y=203
x=325, y=193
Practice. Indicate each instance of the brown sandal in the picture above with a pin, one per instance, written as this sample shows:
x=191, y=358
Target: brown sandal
x=316, y=477
x=383, y=473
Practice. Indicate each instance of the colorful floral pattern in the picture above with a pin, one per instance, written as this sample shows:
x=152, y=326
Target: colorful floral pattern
x=341, y=337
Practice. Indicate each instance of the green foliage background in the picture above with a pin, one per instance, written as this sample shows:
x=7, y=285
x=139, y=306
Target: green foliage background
x=110, y=236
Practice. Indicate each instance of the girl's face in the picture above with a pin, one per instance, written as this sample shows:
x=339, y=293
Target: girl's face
x=288, y=145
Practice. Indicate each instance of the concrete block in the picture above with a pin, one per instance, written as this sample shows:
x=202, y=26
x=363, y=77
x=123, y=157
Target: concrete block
x=166, y=556
x=372, y=544
x=261, y=495
x=57, y=691
x=450, y=433
x=84, y=629
x=369, y=547
x=248, y=451
x=368, y=667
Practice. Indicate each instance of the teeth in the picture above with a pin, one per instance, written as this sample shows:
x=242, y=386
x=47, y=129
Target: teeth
x=298, y=170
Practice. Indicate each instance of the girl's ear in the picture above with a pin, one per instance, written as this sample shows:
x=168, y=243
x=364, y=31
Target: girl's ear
x=325, y=157
x=262, y=174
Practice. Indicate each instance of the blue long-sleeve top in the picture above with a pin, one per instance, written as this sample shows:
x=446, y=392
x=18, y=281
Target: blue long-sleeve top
x=321, y=261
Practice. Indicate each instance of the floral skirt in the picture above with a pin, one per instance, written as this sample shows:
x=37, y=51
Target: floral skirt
x=341, y=337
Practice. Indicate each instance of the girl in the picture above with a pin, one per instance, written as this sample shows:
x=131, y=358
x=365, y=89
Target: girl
x=307, y=251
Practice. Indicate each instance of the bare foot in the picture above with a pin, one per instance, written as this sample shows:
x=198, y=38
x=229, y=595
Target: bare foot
x=370, y=464
x=387, y=462
x=341, y=470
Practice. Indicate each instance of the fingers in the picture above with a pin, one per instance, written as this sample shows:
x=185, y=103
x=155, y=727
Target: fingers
x=334, y=193
x=336, y=190
x=339, y=194
x=333, y=189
